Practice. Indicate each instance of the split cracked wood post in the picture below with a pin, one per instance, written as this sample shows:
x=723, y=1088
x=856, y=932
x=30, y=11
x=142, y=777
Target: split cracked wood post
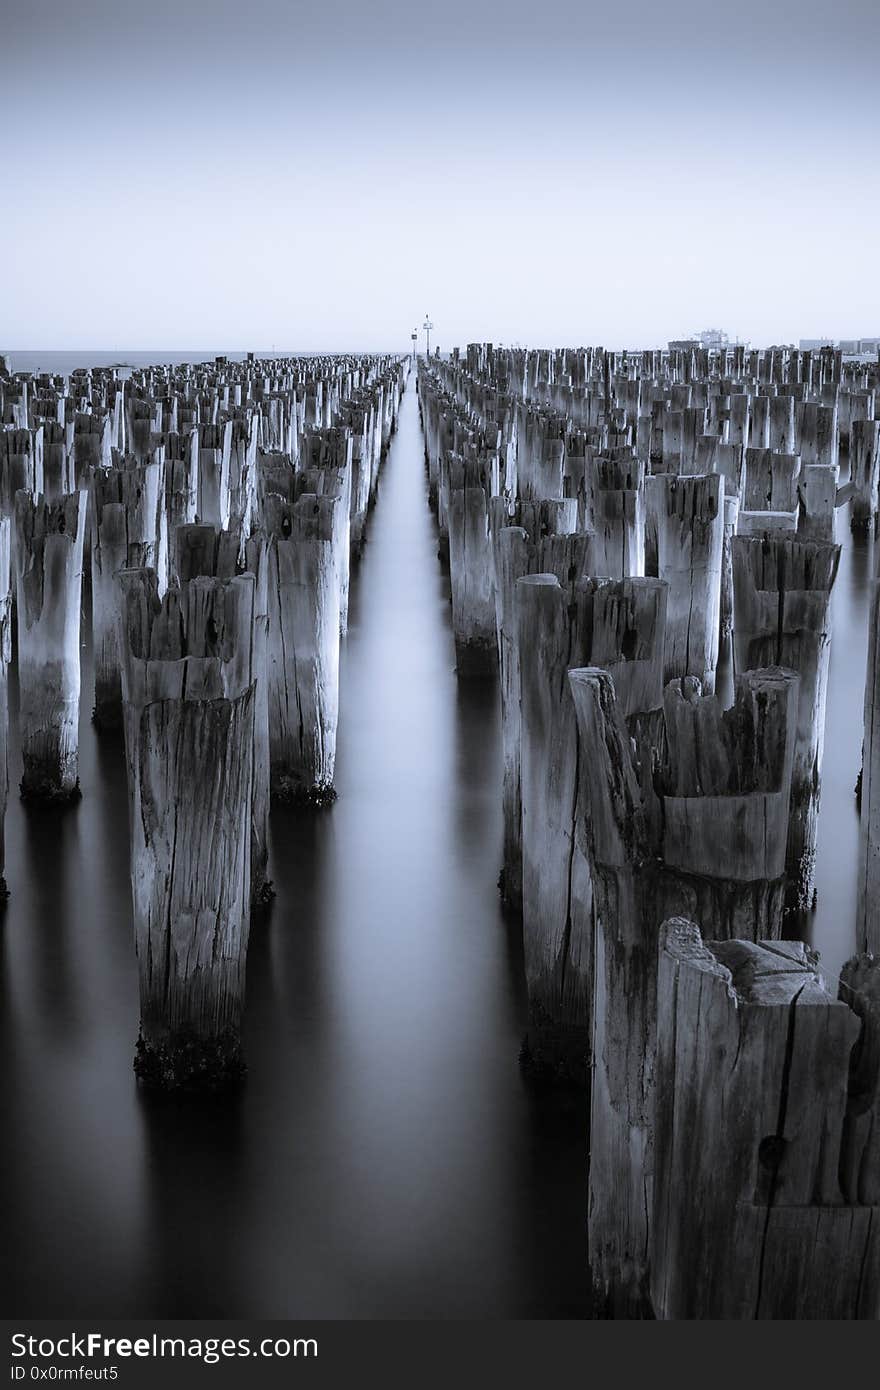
x=726, y=605
x=620, y=626
x=868, y=922
x=698, y=829
x=207, y=551
x=817, y=496
x=214, y=496
x=58, y=479
x=471, y=571
x=48, y=557
x=354, y=417
x=685, y=538
x=325, y=463
x=618, y=517
x=5, y=658
x=766, y=1189
x=128, y=532
x=865, y=474
x=303, y=646
x=770, y=492
x=782, y=594
x=181, y=478
x=524, y=537
x=189, y=732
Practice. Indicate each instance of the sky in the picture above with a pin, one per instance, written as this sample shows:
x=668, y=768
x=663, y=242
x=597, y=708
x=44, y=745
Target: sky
x=322, y=175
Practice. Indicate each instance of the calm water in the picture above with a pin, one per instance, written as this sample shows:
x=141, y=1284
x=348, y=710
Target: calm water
x=385, y=1158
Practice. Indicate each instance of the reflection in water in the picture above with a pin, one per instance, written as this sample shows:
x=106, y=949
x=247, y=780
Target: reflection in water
x=385, y=1158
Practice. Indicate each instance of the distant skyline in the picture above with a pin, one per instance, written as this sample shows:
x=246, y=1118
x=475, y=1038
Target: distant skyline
x=203, y=171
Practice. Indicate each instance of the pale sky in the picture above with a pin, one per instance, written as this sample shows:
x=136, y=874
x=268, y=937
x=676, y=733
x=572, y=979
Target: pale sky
x=319, y=175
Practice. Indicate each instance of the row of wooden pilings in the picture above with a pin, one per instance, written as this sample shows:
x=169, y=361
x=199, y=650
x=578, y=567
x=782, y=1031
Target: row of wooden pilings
x=217, y=509
x=612, y=519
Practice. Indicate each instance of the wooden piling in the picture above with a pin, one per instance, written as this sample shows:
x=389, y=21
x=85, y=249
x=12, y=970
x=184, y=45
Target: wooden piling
x=620, y=625
x=128, y=532
x=702, y=827
x=189, y=726
x=520, y=535
x=303, y=646
x=48, y=558
x=618, y=517
x=865, y=474
x=782, y=592
x=758, y=1210
x=5, y=658
x=685, y=518
x=470, y=564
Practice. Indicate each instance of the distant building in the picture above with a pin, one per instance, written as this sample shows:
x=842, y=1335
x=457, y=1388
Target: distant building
x=850, y=347
x=708, y=338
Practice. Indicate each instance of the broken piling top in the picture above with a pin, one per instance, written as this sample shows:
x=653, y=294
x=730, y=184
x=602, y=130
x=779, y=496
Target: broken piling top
x=618, y=624
x=758, y=1093
x=547, y=517
x=865, y=473
x=726, y=778
x=326, y=448
x=684, y=544
x=616, y=513
x=5, y=657
x=44, y=527
x=21, y=465
x=722, y=786
x=770, y=483
x=202, y=550
x=310, y=517
x=782, y=588
x=193, y=644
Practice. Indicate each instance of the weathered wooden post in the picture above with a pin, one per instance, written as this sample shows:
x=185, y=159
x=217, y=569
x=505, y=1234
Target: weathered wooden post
x=770, y=492
x=865, y=474
x=21, y=465
x=868, y=924
x=129, y=532
x=817, y=495
x=782, y=593
x=189, y=730
x=182, y=478
x=470, y=564
x=48, y=558
x=526, y=539
x=685, y=521
x=726, y=606
x=325, y=463
x=618, y=517
x=207, y=551
x=704, y=832
x=303, y=647
x=5, y=658
x=620, y=625
x=766, y=1189
x=214, y=496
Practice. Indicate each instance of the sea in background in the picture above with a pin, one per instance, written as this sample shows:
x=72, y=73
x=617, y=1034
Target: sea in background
x=63, y=362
